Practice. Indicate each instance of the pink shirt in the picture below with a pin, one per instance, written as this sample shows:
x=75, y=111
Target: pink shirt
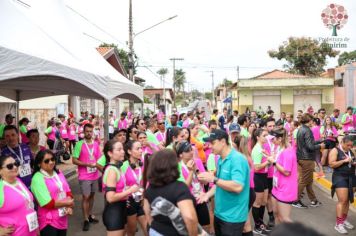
x=72, y=132
x=349, y=126
x=316, y=132
x=133, y=176
x=81, y=131
x=285, y=188
x=330, y=134
x=82, y=153
x=287, y=127
x=122, y=124
x=14, y=209
x=185, y=173
x=161, y=137
x=268, y=146
x=52, y=133
x=120, y=184
x=51, y=216
x=63, y=130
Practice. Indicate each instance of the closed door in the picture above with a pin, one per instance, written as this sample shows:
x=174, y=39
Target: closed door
x=303, y=102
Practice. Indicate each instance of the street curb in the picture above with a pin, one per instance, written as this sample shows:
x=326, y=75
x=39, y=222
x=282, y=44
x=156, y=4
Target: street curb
x=70, y=172
x=326, y=184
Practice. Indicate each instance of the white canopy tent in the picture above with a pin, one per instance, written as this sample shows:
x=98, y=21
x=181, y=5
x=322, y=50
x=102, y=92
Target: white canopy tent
x=43, y=54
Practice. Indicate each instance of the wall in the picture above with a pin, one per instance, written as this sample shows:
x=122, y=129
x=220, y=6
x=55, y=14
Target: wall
x=340, y=98
x=246, y=100
x=44, y=103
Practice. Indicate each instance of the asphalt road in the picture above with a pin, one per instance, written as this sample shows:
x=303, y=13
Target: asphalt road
x=321, y=218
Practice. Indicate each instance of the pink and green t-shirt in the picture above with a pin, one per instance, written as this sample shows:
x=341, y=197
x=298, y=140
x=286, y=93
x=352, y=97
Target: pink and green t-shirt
x=120, y=179
x=51, y=133
x=14, y=208
x=46, y=188
x=348, y=126
x=285, y=188
x=72, y=132
x=132, y=176
x=258, y=158
x=87, y=153
x=63, y=130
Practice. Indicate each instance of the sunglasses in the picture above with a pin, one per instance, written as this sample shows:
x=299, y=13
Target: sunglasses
x=48, y=160
x=161, y=123
x=12, y=165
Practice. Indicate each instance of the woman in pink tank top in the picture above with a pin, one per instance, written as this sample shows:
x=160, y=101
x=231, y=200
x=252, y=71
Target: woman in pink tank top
x=18, y=216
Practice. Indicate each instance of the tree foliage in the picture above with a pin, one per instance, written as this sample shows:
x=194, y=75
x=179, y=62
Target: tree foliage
x=179, y=80
x=208, y=95
x=162, y=72
x=227, y=83
x=347, y=58
x=124, y=56
x=303, y=55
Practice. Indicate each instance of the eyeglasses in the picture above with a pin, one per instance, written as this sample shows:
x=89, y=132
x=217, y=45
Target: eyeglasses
x=48, y=160
x=12, y=165
x=161, y=123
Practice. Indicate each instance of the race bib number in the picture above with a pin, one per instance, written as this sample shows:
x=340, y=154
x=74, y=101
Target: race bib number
x=196, y=188
x=91, y=170
x=111, y=129
x=61, y=195
x=275, y=181
x=350, y=128
x=64, y=131
x=25, y=170
x=72, y=132
x=62, y=211
x=32, y=221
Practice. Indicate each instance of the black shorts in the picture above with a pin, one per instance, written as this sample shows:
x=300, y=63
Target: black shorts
x=226, y=228
x=261, y=182
x=66, y=139
x=115, y=216
x=282, y=201
x=342, y=181
x=252, y=198
x=203, y=214
x=135, y=208
x=270, y=185
x=50, y=144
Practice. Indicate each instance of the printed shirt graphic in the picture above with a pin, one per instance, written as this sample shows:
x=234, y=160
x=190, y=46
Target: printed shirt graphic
x=81, y=153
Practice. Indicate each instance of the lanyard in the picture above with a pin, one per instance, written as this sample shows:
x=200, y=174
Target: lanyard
x=348, y=156
x=90, y=150
x=18, y=157
x=186, y=169
x=137, y=178
x=162, y=136
x=271, y=146
x=55, y=178
x=22, y=192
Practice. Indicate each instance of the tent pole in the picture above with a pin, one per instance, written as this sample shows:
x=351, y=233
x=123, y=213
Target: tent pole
x=17, y=108
x=106, y=120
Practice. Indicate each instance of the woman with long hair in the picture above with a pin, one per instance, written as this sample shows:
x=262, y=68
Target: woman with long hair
x=53, y=194
x=342, y=160
x=163, y=181
x=241, y=143
x=18, y=215
x=116, y=193
x=261, y=164
x=72, y=133
x=147, y=147
x=174, y=134
x=285, y=177
x=133, y=175
x=190, y=166
x=131, y=133
x=329, y=133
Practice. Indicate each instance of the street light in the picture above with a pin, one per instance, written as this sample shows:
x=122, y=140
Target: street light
x=132, y=36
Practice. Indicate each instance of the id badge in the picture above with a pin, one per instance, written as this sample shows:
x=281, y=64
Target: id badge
x=32, y=221
x=25, y=170
x=91, y=170
x=62, y=211
x=64, y=131
x=275, y=181
x=61, y=195
x=350, y=128
x=72, y=132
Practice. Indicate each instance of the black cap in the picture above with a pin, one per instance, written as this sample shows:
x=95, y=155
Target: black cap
x=25, y=119
x=9, y=116
x=61, y=116
x=216, y=134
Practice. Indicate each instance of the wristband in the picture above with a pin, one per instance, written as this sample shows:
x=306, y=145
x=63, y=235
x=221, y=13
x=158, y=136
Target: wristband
x=216, y=179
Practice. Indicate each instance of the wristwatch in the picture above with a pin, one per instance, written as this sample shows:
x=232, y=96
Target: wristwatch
x=215, y=180
x=274, y=163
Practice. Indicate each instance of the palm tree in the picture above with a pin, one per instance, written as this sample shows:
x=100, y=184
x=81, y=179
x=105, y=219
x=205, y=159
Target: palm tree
x=162, y=72
x=179, y=80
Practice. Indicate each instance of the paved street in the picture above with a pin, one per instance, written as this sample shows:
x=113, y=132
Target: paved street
x=322, y=218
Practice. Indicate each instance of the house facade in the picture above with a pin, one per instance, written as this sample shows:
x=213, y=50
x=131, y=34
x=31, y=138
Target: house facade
x=160, y=99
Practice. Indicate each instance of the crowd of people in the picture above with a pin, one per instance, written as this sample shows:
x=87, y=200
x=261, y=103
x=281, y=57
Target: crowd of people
x=186, y=174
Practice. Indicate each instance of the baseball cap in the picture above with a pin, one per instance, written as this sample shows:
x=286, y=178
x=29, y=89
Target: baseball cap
x=9, y=116
x=234, y=128
x=216, y=134
x=61, y=116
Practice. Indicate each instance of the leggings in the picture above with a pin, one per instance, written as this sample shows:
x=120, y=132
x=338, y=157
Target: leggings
x=51, y=231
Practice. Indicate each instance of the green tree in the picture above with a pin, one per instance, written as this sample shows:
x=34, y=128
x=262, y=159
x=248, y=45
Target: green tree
x=124, y=56
x=303, y=55
x=226, y=83
x=347, y=58
x=146, y=100
x=179, y=80
x=162, y=72
x=208, y=95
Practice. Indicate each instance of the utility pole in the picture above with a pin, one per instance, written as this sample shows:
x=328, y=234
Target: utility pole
x=237, y=84
x=131, y=51
x=174, y=76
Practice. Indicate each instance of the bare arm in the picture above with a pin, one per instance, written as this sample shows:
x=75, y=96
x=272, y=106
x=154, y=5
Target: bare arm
x=80, y=163
x=112, y=196
x=261, y=166
x=282, y=170
x=189, y=215
x=147, y=210
x=333, y=163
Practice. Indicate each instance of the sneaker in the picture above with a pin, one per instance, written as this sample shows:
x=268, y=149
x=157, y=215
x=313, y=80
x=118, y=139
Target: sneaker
x=299, y=204
x=266, y=228
x=340, y=228
x=260, y=231
x=271, y=222
x=315, y=203
x=348, y=225
x=93, y=220
x=86, y=225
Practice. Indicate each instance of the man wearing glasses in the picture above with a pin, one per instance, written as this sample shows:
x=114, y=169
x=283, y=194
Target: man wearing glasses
x=321, y=115
x=20, y=152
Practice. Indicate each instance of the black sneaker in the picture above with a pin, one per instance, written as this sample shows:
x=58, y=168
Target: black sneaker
x=266, y=228
x=260, y=231
x=86, y=225
x=299, y=204
x=315, y=203
x=93, y=220
x=271, y=222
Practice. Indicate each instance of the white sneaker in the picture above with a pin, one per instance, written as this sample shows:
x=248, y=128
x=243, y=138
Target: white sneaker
x=348, y=225
x=340, y=228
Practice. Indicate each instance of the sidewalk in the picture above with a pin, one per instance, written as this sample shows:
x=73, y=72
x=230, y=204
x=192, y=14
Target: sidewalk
x=325, y=183
x=68, y=168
